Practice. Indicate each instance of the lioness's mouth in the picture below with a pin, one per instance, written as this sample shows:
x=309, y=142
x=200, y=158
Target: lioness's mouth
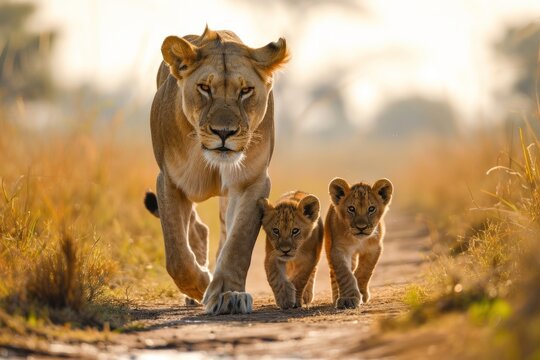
x=220, y=149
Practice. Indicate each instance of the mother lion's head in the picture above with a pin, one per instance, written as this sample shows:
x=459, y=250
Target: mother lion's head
x=225, y=87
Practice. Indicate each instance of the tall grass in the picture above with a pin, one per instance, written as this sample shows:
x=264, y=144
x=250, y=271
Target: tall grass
x=488, y=267
x=76, y=244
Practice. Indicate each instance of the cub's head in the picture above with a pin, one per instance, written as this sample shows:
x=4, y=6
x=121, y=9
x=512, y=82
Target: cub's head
x=289, y=223
x=225, y=87
x=361, y=206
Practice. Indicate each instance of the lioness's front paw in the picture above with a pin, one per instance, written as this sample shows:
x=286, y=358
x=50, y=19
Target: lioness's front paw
x=347, y=302
x=229, y=302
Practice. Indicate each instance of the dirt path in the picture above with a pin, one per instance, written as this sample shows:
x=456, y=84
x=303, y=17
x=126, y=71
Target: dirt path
x=319, y=331
x=167, y=330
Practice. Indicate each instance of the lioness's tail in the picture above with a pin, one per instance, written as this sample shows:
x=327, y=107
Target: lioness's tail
x=150, y=202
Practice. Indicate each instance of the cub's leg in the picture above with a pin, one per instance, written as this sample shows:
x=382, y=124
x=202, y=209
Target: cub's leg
x=349, y=294
x=335, y=288
x=367, y=262
x=309, y=290
x=304, y=270
x=276, y=273
x=174, y=212
x=306, y=267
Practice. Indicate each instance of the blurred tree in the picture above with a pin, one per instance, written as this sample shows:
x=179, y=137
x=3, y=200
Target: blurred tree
x=24, y=55
x=521, y=44
x=415, y=115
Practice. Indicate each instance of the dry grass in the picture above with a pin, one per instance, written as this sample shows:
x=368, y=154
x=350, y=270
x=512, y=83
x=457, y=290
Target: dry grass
x=76, y=245
x=485, y=253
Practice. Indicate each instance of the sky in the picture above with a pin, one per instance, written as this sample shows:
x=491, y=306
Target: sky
x=376, y=51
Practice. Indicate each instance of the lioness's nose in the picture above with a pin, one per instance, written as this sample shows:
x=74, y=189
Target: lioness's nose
x=223, y=133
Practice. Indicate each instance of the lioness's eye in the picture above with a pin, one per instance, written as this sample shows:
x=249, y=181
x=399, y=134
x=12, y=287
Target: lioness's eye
x=295, y=231
x=351, y=209
x=204, y=87
x=275, y=231
x=246, y=90
x=371, y=209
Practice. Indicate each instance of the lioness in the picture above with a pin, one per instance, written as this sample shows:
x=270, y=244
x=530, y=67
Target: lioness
x=294, y=238
x=353, y=237
x=212, y=123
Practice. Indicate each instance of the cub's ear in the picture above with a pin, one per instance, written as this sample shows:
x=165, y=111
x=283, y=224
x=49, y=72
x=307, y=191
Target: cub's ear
x=338, y=189
x=264, y=205
x=272, y=56
x=178, y=53
x=384, y=189
x=310, y=207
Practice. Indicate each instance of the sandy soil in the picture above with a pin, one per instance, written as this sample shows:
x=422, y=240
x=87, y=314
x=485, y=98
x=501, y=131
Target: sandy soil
x=169, y=330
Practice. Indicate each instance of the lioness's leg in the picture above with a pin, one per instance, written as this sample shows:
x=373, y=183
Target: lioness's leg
x=349, y=295
x=226, y=293
x=223, y=202
x=175, y=211
x=198, y=239
x=364, y=271
x=284, y=291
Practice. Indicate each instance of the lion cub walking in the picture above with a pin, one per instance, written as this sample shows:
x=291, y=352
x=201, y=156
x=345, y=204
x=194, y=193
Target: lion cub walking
x=294, y=237
x=354, y=231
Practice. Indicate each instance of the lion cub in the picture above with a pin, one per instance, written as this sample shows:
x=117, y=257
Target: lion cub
x=294, y=238
x=354, y=231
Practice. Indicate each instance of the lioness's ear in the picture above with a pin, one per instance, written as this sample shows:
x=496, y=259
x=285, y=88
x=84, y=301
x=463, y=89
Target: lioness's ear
x=272, y=56
x=338, y=189
x=309, y=207
x=384, y=189
x=178, y=53
x=265, y=205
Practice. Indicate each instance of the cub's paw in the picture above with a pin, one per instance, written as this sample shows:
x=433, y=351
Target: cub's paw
x=347, y=302
x=307, y=296
x=286, y=298
x=191, y=302
x=365, y=295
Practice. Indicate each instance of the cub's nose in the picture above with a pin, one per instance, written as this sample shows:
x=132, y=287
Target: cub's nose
x=285, y=249
x=361, y=227
x=223, y=133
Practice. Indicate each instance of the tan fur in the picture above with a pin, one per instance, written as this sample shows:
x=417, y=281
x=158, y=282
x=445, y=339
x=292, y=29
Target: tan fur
x=354, y=237
x=294, y=238
x=210, y=85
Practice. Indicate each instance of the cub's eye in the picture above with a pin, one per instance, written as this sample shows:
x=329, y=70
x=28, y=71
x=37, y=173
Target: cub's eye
x=246, y=91
x=275, y=231
x=351, y=209
x=295, y=231
x=204, y=88
x=371, y=209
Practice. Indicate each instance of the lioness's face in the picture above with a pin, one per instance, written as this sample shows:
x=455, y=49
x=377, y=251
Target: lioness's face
x=225, y=88
x=225, y=101
x=288, y=225
x=361, y=206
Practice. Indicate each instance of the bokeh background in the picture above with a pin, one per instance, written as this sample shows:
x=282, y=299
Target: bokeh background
x=373, y=89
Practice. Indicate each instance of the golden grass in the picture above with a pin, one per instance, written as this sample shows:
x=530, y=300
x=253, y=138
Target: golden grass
x=485, y=248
